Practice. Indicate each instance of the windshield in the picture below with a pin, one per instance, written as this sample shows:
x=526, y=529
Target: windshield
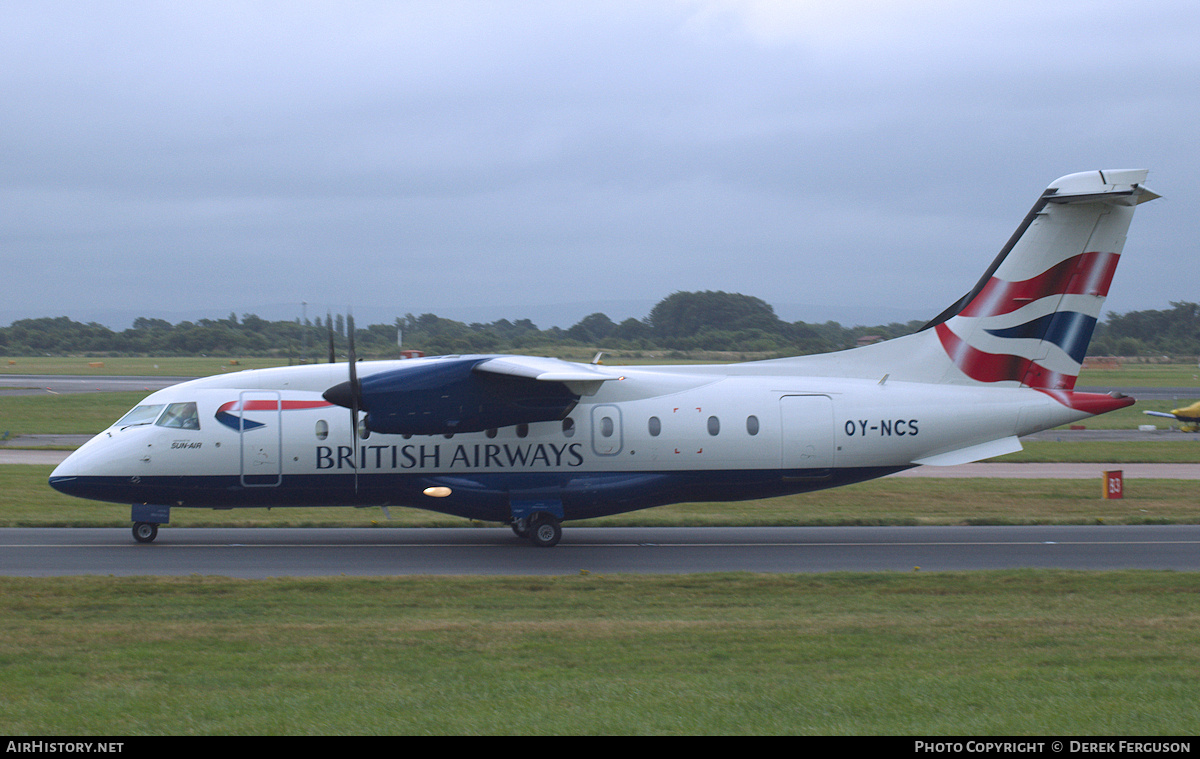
x=182, y=416
x=140, y=415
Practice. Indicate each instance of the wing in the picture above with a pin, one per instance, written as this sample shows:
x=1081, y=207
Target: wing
x=445, y=395
x=581, y=379
x=1159, y=413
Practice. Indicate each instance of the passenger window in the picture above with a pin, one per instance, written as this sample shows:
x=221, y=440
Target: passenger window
x=568, y=427
x=655, y=426
x=522, y=430
x=752, y=425
x=322, y=429
x=714, y=425
x=181, y=416
x=606, y=426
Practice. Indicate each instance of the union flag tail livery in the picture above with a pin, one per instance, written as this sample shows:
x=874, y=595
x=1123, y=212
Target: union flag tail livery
x=1030, y=318
x=533, y=441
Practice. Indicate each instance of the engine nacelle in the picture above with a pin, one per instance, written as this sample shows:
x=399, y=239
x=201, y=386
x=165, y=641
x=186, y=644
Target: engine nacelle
x=445, y=396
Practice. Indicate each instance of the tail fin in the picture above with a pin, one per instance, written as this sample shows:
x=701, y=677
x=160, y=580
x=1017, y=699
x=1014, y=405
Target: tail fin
x=1030, y=318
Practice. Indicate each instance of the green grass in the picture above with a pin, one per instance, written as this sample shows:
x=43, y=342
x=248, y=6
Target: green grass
x=989, y=653
x=1127, y=375
x=1131, y=418
x=27, y=501
x=136, y=366
x=1132, y=374
x=1184, y=449
x=66, y=413
x=89, y=413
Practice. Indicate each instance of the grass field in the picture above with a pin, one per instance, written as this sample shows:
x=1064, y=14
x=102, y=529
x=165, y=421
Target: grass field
x=89, y=413
x=992, y=653
x=1128, y=374
x=1035, y=652
x=1141, y=375
x=29, y=502
x=134, y=366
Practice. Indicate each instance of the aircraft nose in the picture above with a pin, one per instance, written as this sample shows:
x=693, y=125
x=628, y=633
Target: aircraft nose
x=63, y=478
x=63, y=484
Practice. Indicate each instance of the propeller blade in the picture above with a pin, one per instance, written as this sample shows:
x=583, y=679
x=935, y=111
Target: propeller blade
x=355, y=394
x=329, y=324
x=356, y=389
x=348, y=394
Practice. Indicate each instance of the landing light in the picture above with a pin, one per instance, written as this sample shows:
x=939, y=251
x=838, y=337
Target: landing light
x=439, y=491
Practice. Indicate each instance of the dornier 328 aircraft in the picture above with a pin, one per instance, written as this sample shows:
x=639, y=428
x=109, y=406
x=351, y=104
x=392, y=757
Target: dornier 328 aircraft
x=533, y=442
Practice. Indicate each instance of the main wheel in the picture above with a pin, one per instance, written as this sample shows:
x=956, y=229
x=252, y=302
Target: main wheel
x=544, y=530
x=145, y=532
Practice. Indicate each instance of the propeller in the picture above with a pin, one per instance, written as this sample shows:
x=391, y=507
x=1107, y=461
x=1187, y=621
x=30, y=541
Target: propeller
x=348, y=394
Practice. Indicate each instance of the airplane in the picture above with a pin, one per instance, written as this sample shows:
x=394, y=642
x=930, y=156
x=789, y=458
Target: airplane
x=533, y=442
x=1188, y=416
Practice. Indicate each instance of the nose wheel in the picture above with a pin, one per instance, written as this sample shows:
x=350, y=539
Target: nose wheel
x=145, y=532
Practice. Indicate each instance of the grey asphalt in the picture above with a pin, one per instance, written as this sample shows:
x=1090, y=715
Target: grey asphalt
x=287, y=552
x=42, y=384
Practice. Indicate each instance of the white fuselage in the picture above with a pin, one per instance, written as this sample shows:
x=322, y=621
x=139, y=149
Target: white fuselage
x=648, y=436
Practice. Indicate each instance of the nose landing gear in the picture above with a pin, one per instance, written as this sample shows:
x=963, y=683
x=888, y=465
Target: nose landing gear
x=145, y=532
x=146, y=518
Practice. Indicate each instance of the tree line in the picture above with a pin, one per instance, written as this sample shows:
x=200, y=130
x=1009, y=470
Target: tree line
x=1170, y=332
x=683, y=321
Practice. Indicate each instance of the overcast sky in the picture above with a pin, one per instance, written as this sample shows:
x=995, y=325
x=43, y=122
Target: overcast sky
x=856, y=160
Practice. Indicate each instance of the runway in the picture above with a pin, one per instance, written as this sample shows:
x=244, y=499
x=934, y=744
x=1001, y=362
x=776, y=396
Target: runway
x=58, y=384
x=290, y=552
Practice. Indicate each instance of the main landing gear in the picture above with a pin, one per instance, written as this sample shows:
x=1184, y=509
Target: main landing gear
x=542, y=529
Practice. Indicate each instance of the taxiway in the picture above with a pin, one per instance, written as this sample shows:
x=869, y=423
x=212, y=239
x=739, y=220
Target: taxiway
x=296, y=552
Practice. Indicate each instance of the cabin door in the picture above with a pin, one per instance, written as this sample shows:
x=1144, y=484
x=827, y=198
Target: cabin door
x=807, y=422
x=261, y=434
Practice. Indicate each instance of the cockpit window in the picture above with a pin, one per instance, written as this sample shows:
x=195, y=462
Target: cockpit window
x=181, y=416
x=140, y=415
